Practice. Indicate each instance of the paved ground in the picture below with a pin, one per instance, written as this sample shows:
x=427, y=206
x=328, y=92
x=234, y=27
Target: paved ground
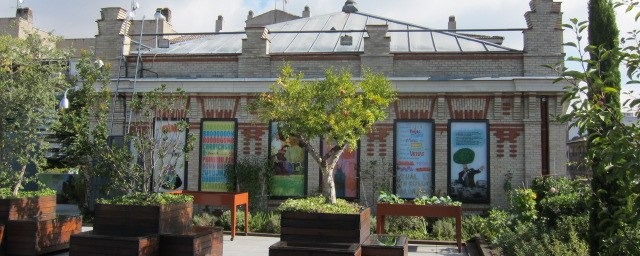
x=259, y=245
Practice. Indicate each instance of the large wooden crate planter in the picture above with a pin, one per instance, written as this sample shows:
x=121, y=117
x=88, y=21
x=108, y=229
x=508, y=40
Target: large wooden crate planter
x=200, y=241
x=40, y=207
x=385, y=245
x=88, y=243
x=34, y=237
x=283, y=248
x=136, y=220
x=298, y=227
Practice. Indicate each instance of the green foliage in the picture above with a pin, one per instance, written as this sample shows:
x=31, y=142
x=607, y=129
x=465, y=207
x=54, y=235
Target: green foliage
x=336, y=108
x=441, y=200
x=374, y=178
x=6, y=193
x=523, y=204
x=250, y=175
x=489, y=227
x=412, y=227
x=464, y=156
x=319, y=204
x=31, y=75
x=389, y=198
x=148, y=199
x=204, y=219
x=265, y=222
x=527, y=239
x=612, y=151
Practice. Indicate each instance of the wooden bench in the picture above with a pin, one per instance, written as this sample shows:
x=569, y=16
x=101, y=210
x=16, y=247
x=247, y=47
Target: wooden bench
x=227, y=199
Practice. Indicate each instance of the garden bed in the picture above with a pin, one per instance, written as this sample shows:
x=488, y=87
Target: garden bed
x=300, y=227
x=283, y=248
x=34, y=237
x=384, y=245
x=39, y=207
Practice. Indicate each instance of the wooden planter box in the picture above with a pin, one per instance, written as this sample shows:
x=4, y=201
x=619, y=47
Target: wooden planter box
x=1, y=239
x=135, y=220
x=409, y=209
x=298, y=227
x=283, y=248
x=201, y=241
x=88, y=243
x=34, y=237
x=41, y=208
x=374, y=246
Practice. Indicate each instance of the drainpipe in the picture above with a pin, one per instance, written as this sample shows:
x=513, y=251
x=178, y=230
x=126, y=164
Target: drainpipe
x=544, y=134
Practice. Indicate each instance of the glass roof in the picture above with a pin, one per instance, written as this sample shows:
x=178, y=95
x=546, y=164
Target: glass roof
x=322, y=34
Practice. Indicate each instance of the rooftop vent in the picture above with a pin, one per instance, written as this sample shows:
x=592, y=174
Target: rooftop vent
x=346, y=40
x=350, y=6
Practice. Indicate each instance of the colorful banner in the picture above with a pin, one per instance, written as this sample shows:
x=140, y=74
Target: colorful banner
x=169, y=172
x=414, y=159
x=218, y=150
x=469, y=161
x=345, y=174
x=289, y=160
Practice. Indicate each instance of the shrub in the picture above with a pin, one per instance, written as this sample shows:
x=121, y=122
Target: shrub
x=489, y=227
x=319, y=204
x=250, y=175
x=412, y=227
x=265, y=222
x=140, y=198
x=5, y=193
x=204, y=220
x=532, y=239
x=523, y=204
x=443, y=229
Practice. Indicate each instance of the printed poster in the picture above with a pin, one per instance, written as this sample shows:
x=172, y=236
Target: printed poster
x=218, y=151
x=414, y=158
x=469, y=161
x=169, y=169
x=345, y=174
x=289, y=159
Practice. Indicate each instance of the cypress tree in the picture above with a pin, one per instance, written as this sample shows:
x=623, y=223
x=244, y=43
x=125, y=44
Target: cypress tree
x=603, y=37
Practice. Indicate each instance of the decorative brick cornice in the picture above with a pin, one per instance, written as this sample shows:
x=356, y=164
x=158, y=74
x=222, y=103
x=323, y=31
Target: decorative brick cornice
x=252, y=134
x=415, y=107
x=458, y=56
x=314, y=57
x=377, y=139
x=219, y=107
x=177, y=110
x=468, y=107
x=507, y=136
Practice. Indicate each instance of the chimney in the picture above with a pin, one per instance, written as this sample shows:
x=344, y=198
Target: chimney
x=25, y=13
x=166, y=12
x=250, y=15
x=452, y=22
x=219, y=23
x=307, y=12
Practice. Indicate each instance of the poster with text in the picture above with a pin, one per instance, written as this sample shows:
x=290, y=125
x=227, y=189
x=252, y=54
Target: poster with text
x=345, y=174
x=413, y=159
x=289, y=159
x=469, y=161
x=217, y=153
x=169, y=168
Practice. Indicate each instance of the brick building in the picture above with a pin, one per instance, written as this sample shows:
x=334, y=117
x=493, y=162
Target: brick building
x=456, y=91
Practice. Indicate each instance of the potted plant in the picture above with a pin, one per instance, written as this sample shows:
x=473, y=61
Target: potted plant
x=340, y=111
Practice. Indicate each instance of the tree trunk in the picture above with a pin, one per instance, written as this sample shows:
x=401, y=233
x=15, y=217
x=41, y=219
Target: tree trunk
x=328, y=166
x=16, y=187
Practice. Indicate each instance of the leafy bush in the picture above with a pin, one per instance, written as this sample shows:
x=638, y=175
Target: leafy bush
x=5, y=193
x=319, y=204
x=389, y=198
x=523, y=204
x=443, y=229
x=489, y=227
x=204, y=220
x=442, y=200
x=140, y=198
x=560, y=196
x=265, y=222
x=532, y=239
x=412, y=227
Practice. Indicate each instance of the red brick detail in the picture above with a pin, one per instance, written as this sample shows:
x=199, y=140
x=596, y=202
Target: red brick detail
x=442, y=128
x=415, y=107
x=507, y=136
x=378, y=137
x=457, y=56
x=468, y=107
x=194, y=125
x=219, y=107
x=315, y=57
x=252, y=133
x=186, y=58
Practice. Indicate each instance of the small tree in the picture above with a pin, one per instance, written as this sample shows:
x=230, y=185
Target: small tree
x=31, y=74
x=336, y=108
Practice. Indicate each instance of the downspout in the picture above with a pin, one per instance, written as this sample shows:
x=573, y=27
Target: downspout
x=544, y=135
